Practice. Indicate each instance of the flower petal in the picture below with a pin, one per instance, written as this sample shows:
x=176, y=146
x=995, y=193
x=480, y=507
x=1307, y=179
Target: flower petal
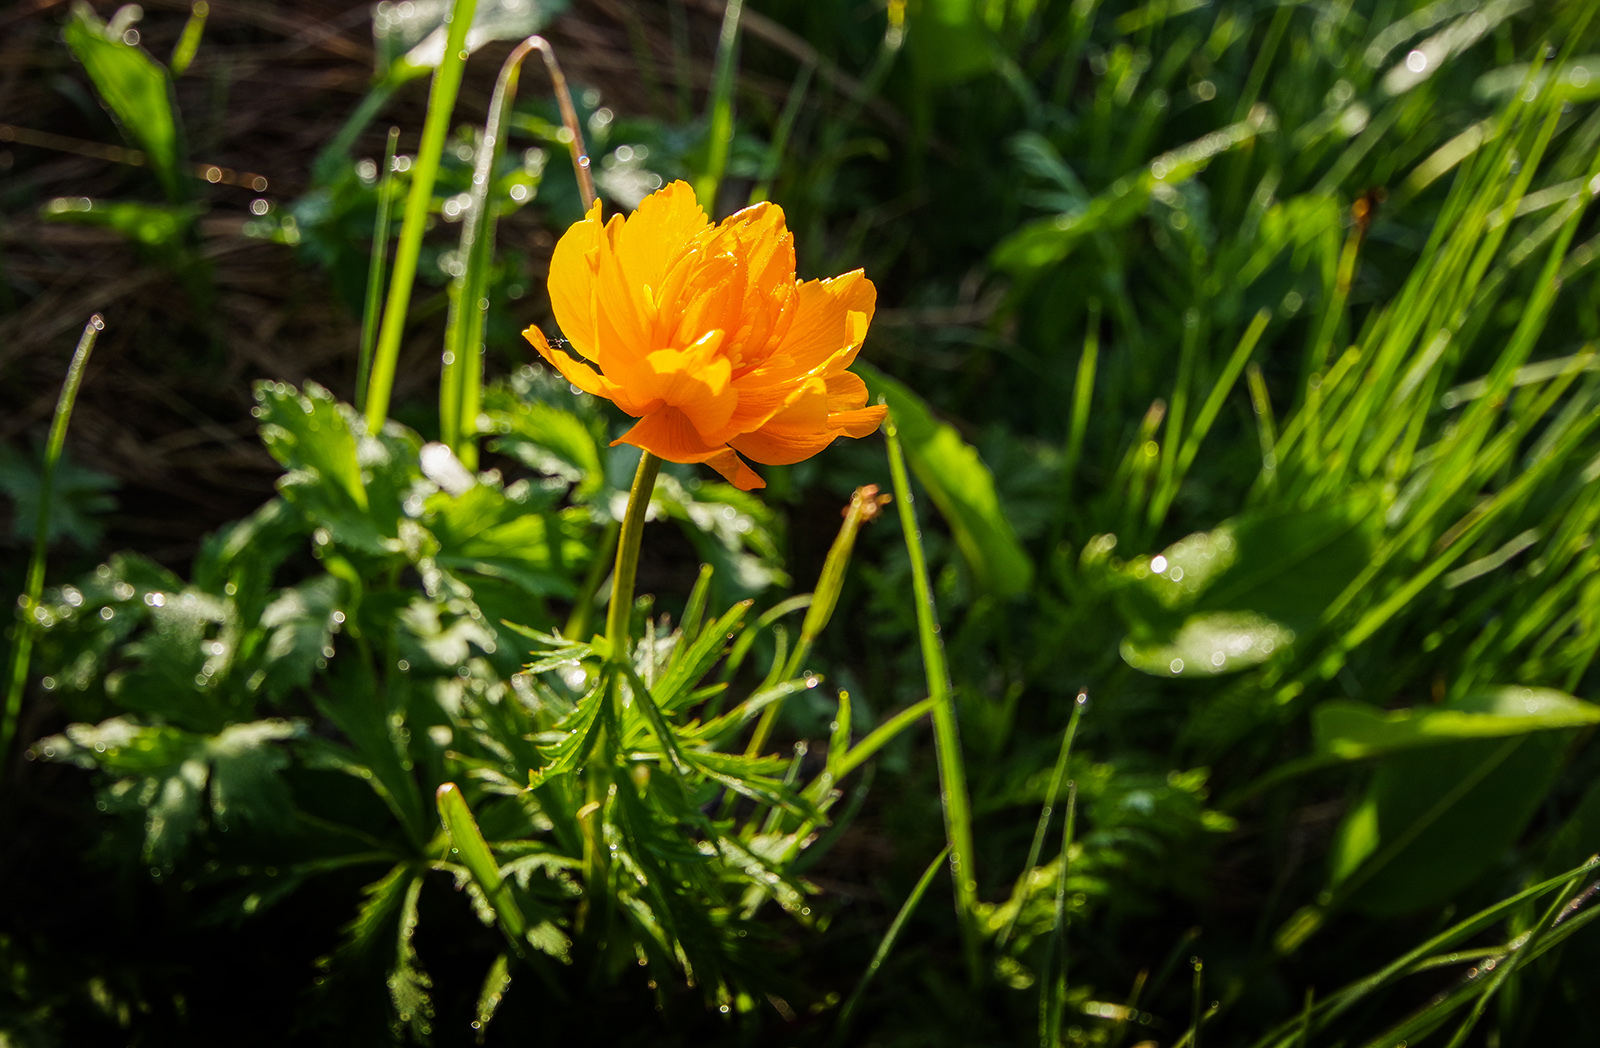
x=657, y=233
x=829, y=316
x=669, y=434
x=862, y=422
x=574, y=371
x=846, y=391
x=572, y=283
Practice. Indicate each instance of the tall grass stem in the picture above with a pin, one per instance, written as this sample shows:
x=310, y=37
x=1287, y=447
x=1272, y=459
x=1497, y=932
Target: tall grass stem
x=947, y=736
x=376, y=266
x=425, y=171
x=887, y=944
x=22, y=648
x=719, y=113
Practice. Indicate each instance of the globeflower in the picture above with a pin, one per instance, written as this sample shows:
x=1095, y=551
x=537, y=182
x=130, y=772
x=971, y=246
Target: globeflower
x=703, y=333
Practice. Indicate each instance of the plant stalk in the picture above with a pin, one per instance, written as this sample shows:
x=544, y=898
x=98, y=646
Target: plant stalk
x=627, y=565
x=946, y=735
x=22, y=650
x=441, y=102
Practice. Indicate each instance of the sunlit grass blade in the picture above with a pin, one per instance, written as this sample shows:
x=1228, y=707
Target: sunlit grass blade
x=424, y=172
x=376, y=267
x=22, y=644
x=1336, y=1004
x=581, y=165
x=461, y=383
x=1078, y=421
x=947, y=736
x=719, y=108
x=189, y=39
x=865, y=505
x=887, y=944
x=1053, y=978
x=1051, y=797
x=770, y=163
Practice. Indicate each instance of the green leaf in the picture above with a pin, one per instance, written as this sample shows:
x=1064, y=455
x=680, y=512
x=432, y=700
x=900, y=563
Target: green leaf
x=136, y=88
x=1355, y=730
x=960, y=485
x=341, y=478
x=1434, y=820
x=495, y=985
x=162, y=228
x=507, y=534
x=77, y=497
x=182, y=663
x=468, y=847
x=408, y=983
x=1208, y=644
x=300, y=623
x=1045, y=242
x=557, y=443
x=162, y=774
x=245, y=785
x=1230, y=598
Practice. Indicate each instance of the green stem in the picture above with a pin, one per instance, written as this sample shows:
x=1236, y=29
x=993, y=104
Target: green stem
x=22, y=650
x=947, y=737
x=441, y=102
x=864, y=505
x=461, y=388
x=619, y=610
x=375, y=267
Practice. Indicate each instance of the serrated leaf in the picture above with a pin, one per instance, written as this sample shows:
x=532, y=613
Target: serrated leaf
x=78, y=497
x=408, y=982
x=339, y=476
x=300, y=624
x=495, y=984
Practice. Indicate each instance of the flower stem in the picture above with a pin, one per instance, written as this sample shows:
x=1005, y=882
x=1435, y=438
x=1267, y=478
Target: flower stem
x=619, y=610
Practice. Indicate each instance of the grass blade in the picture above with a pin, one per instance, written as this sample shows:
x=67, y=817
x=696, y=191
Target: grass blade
x=461, y=384
x=22, y=649
x=441, y=103
x=1052, y=795
x=947, y=737
x=719, y=114
x=376, y=268
x=887, y=944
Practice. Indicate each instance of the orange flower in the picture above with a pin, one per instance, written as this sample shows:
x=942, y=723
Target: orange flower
x=704, y=335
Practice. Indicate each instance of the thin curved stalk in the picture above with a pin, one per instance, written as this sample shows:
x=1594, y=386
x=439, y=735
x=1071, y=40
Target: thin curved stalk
x=22, y=649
